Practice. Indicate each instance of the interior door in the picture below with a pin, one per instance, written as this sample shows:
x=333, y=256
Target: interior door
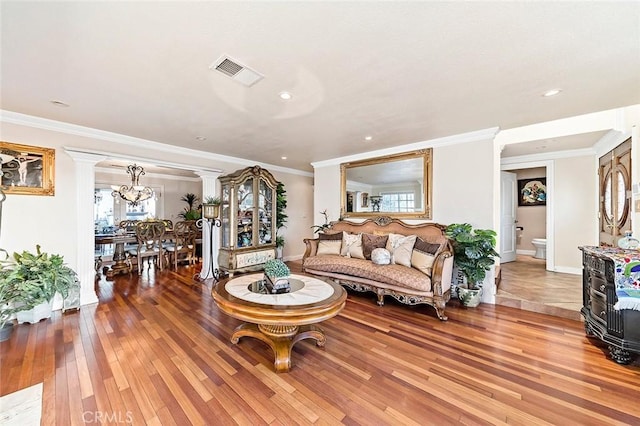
x=508, y=191
x=614, y=174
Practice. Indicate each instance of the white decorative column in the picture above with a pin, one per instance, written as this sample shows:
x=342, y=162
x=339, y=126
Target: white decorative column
x=210, y=243
x=85, y=239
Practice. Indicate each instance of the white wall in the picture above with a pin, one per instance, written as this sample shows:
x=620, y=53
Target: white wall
x=463, y=189
x=575, y=210
x=300, y=214
x=326, y=194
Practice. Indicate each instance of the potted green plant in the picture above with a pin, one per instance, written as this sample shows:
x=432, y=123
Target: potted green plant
x=192, y=211
x=33, y=280
x=7, y=308
x=473, y=253
x=321, y=228
x=211, y=207
x=276, y=276
x=281, y=217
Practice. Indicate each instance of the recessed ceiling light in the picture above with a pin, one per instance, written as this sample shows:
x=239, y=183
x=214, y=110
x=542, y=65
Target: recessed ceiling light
x=285, y=96
x=552, y=92
x=368, y=138
x=284, y=158
x=59, y=103
x=201, y=138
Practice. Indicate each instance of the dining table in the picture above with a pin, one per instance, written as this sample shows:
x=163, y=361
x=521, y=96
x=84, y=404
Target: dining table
x=120, y=264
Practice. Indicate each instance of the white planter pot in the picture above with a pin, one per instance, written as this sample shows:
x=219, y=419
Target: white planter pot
x=469, y=298
x=36, y=314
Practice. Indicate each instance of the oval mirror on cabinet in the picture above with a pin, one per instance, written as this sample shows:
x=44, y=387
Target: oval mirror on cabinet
x=396, y=185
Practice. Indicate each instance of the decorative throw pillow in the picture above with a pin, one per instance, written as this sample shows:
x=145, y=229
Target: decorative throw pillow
x=424, y=253
x=401, y=246
x=380, y=256
x=371, y=242
x=352, y=245
x=329, y=243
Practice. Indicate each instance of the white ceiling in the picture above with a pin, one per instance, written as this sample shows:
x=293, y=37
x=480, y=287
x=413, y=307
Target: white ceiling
x=401, y=72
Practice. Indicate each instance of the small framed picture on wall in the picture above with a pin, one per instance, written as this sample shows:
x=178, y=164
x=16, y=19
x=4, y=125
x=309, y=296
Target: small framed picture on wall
x=532, y=192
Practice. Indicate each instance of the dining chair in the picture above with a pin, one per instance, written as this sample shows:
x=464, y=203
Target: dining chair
x=184, y=242
x=128, y=225
x=168, y=224
x=149, y=235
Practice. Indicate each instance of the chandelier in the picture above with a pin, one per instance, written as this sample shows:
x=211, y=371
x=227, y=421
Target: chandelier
x=135, y=192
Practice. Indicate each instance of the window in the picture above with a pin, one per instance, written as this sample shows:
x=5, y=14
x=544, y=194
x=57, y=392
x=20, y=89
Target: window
x=144, y=210
x=109, y=210
x=398, y=202
x=103, y=210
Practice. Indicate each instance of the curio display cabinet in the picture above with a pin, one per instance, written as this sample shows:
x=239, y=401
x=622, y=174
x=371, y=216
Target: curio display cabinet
x=248, y=216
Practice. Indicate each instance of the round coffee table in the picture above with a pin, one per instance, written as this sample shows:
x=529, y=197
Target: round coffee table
x=280, y=320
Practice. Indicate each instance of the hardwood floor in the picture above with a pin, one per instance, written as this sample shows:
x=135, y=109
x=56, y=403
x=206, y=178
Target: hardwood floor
x=526, y=284
x=156, y=350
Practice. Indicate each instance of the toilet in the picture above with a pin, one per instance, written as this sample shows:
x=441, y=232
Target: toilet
x=541, y=247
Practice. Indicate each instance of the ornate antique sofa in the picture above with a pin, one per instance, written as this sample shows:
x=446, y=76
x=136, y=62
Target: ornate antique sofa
x=425, y=280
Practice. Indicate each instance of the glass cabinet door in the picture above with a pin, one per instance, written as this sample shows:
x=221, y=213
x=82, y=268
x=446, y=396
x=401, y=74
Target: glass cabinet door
x=245, y=214
x=265, y=211
x=226, y=216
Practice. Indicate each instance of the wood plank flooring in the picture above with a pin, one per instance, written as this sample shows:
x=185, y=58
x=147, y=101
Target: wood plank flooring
x=156, y=351
x=526, y=284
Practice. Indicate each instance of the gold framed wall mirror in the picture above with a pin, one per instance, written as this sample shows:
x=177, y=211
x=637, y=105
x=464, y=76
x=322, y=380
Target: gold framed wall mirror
x=398, y=186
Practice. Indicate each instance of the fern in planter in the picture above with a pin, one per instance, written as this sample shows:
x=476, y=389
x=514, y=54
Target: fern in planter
x=36, y=278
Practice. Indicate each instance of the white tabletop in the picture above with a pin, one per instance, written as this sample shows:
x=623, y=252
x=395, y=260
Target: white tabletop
x=314, y=291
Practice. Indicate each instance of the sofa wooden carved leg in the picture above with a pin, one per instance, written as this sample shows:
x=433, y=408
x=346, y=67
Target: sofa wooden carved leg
x=439, y=305
x=380, y=294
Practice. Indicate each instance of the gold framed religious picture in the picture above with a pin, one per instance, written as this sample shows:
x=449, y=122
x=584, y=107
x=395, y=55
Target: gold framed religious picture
x=27, y=170
x=365, y=199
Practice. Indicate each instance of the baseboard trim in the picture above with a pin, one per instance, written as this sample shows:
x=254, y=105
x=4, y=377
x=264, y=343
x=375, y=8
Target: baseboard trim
x=568, y=270
x=293, y=258
x=526, y=252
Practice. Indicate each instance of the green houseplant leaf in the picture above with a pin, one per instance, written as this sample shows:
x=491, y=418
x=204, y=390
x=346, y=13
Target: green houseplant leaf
x=281, y=215
x=473, y=250
x=32, y=278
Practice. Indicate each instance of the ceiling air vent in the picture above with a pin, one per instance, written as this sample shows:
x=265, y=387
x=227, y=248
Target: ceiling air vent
x=236, y=71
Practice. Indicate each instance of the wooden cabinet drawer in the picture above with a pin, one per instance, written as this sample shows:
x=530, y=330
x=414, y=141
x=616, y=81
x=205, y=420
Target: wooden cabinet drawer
x=598, y=306
x=597, y=282
x=594, y=263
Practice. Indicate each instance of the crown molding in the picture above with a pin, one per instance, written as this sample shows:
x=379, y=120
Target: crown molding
x=548, y=156
x=479, y=135
x=119, y=172
x=88, y=132
x=609, y=141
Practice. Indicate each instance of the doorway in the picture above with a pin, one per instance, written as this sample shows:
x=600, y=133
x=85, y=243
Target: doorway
x=524, y=222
